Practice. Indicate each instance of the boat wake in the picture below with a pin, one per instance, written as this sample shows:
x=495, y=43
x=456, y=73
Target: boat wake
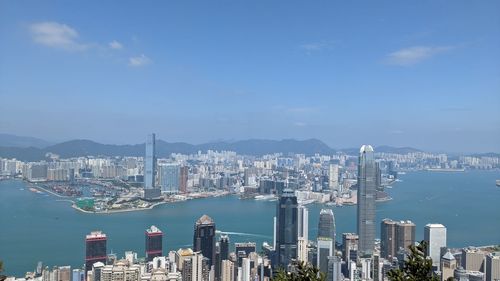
x=242, y=234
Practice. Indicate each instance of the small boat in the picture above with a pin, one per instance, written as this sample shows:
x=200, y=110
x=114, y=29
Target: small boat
x=498, y=183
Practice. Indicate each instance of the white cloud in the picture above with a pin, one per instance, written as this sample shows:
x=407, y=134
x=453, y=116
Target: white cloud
x=56, y=35
x=310, y=47
x=414, y=55
x=115, y=45
x=315, y=47
x=139, y=60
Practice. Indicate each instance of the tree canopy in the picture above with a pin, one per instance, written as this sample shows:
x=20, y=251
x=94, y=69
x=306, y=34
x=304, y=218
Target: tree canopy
x=417, y=267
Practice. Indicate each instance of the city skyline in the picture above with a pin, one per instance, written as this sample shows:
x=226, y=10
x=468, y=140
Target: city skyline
x=422, y=75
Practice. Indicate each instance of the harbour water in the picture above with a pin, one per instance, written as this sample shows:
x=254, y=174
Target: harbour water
x=40, y=227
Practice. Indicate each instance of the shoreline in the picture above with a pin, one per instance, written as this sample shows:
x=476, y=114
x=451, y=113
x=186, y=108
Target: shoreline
x=118, y=210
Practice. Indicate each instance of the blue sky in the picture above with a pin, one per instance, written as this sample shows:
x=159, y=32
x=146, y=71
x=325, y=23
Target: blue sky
x=404, y=73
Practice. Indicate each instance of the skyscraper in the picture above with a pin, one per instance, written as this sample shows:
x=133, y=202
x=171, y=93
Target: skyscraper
x=388, y=239
x=493, y=266
x=326, y=224
x=366, y=201
x=395, y=235
x=326, y=239
x=303, y=233
x=154, y=243
x=325, y=250
x=333, y=176
x=224, y=247
x=227, y=271
x=287, y=228
x=435, y=236
x=350, y=243
x=95, y=249
x=150, y=191
x=204, y=238
x=405, y=234
x=169, y=176
x=183, y=178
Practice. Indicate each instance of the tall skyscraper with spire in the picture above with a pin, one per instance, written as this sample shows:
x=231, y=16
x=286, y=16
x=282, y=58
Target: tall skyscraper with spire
x=150, y=190
x=287, y=228
x=366, y=201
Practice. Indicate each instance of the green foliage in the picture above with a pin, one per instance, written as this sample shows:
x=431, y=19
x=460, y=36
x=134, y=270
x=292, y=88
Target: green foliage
x=302, y=272
x=417, y=266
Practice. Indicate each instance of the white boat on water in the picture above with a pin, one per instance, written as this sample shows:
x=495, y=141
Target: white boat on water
x=498, y=183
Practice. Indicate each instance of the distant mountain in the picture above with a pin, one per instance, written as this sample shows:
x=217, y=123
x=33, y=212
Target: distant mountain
x=261, y=147
x=383, y=149
x=397, y=150
x=8, y=140
x=77, y=148
x=487, y=154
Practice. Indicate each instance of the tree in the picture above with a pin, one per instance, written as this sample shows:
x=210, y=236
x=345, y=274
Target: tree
x=302, y=272
x=417, y=267
x=2, y=277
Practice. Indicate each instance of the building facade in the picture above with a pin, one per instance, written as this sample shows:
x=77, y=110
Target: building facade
x=366, y=201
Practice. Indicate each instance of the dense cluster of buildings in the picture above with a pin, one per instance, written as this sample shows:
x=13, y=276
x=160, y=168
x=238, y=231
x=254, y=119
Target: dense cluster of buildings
x=315, y=178
x=212, y=258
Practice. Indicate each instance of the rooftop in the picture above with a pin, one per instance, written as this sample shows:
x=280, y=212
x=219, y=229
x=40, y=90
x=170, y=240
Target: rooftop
x=153, y=229
x=366, y=148
x=205, y=219
x=95, y=234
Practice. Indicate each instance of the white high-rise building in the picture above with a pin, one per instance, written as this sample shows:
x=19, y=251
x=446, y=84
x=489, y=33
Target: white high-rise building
x=333, y=177
x=227, y=271
x=435, y=236
x=303, y=233
x=245, y=269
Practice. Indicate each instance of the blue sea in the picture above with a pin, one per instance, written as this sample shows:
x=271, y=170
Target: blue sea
x=40, y=227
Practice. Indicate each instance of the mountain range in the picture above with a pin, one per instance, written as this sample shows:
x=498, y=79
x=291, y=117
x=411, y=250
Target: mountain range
x=32, y=149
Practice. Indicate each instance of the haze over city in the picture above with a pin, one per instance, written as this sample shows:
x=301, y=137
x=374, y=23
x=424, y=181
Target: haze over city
x=422, y=74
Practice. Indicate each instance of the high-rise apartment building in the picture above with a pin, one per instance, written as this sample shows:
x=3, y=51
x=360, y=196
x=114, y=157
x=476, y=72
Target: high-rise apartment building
x=204, y=238
x=366, y=201
x=95, y=249
x=287, y=228
x=154, y=243
x=435, y=236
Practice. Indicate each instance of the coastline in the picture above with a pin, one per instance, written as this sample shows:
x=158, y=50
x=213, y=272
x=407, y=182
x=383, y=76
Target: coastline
x=118, y=210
